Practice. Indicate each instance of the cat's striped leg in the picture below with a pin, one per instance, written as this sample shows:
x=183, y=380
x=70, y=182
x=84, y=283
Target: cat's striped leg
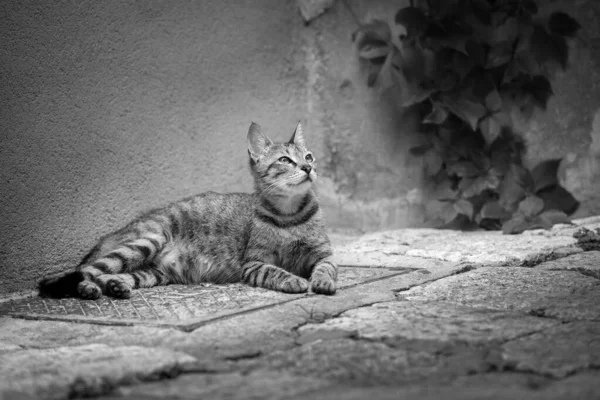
x=121, y=285
x=259, y=274
x=324, y=276
x=125, y=257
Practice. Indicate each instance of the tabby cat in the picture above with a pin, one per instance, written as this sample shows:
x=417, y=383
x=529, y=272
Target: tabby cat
x=274, y=238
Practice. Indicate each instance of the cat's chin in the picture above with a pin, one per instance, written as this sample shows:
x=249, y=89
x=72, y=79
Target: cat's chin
x=300, y=187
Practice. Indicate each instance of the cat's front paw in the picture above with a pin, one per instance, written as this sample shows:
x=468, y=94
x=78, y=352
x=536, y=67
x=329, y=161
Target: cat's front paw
x=118, y=289
x=88, y=290
x=294, y=284
x=323, y=285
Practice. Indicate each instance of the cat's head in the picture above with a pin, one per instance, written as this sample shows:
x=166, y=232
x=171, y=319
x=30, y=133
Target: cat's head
x=281, y=169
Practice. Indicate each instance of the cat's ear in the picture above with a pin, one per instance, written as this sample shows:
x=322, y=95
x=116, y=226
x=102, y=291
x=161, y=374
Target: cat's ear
x=258, y=143
x=298, y=136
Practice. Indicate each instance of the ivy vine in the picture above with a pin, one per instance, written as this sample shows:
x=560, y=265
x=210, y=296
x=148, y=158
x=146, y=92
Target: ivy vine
x=467, y=66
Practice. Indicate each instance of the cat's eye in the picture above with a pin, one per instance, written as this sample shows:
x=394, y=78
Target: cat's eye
x=309, y=158
x=285, y=160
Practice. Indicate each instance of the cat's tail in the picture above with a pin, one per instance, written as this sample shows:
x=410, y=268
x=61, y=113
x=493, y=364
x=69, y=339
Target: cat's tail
x=61, y=286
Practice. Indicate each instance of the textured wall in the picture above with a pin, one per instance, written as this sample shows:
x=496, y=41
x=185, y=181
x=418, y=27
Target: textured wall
x=110, y=107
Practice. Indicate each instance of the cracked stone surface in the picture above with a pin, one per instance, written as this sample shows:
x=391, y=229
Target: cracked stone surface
x=557, y=351
x=587, y=263
x=565, y=295
x=254, y=385
x=491, y=386
x=474, y=247
x=87, y=370
x=427, y=321
x=362, y=362
x=420, y=314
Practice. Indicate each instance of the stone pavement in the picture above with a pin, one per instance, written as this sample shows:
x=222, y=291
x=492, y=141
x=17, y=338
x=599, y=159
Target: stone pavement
x=420, y=314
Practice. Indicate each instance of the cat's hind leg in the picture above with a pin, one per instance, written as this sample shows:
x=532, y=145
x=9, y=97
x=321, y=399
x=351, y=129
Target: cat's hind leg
x=128, y=256
x=121, y=285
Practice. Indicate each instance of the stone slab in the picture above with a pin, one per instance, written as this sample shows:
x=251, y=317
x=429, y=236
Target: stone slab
x=263, y=329
x=257, y=385
x=480, y=247
x=432, y=321
x=587, y=263
x=177, y=305
x=269, y=329
x=564, y=295
x=89, y=370
x=17, y=333
x=558, y=351
x=491, y=386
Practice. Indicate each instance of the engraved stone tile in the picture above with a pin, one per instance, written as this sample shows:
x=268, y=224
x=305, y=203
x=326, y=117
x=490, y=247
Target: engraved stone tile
x=174, y=304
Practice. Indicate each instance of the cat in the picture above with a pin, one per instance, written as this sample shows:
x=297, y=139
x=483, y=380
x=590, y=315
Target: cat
x=274, y=238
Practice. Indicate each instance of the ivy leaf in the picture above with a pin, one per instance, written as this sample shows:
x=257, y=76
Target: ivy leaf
x=411, y=93
x=549, y=218
x=413, y=20
x=444, y=191
x=482, y=84
x=387, y=75
x=499, y=18
x=531, y=206
x=420, y=150
x=449, y=213
x=547, y=47
x=482, y=10
x=499, y=54
x=523, y=177
x=467, y=110
x=517, y=224
x=437, y=116
x=373, y=50
x=433, y=162
x=491, y=126
x=377, y=31
x=541, y=90
x=447, y=81
x=563, y=24
x=463, y=169
x=413, y=62
x=441, y=210
x=513, y=187
x=545, y=174
x=464, y=207
x=476, y=52
x=523, y=63
x=493, y=210
x=474, y=186
x=558, y=198
x=493, y=102
x=462, y=64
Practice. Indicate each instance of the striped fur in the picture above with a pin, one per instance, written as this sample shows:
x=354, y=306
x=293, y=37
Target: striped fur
x=273, y=238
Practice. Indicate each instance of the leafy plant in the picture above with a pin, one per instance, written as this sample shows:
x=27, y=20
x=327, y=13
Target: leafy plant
x=468, y=67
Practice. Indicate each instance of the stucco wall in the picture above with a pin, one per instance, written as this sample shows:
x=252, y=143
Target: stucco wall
x=111, y=107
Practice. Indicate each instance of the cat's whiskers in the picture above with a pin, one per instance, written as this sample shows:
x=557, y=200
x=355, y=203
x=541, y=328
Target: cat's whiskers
x=270, y=189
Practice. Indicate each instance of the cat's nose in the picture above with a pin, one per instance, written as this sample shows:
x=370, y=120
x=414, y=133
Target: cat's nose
x=306, y=168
